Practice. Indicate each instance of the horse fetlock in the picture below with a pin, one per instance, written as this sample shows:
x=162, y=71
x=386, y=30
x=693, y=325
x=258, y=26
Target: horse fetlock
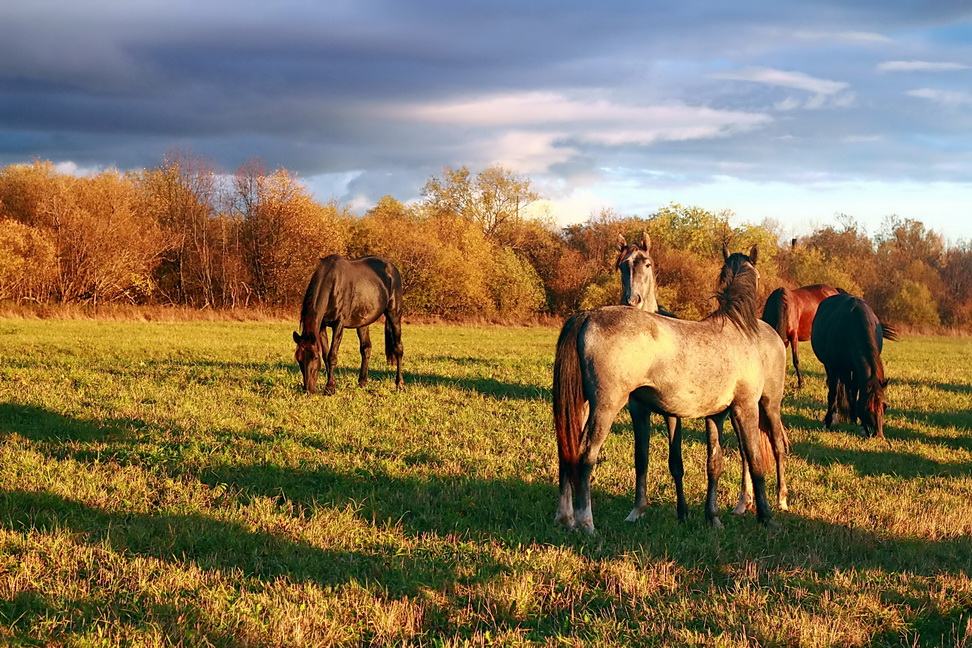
x=781, y=502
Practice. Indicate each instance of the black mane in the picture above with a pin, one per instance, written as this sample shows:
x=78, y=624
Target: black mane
x=738, y=283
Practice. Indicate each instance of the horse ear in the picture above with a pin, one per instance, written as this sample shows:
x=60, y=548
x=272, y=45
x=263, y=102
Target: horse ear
x=621, y=242
x=645, y=241
x=725, y=251
x=753, y=255
x=296, y=337
x=884, y=383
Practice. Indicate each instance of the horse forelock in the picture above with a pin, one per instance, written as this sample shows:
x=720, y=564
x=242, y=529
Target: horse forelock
x=628, y=251
x=738, y=284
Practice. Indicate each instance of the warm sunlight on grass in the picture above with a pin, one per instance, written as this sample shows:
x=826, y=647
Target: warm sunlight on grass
x=168, y=484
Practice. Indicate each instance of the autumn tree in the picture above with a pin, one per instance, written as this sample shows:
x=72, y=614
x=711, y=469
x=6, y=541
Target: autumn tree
x=285, y=233
x=495, y=199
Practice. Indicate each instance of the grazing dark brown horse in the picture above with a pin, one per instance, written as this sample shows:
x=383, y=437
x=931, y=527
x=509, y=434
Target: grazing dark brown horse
x=847, y=338
x=709, y=369
x=791, y=313
x=344, y=294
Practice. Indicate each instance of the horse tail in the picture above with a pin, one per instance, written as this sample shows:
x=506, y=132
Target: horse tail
x=776, y=312
x=888, y=332
x=766, y=442
x=568, y=397
x=843, y=401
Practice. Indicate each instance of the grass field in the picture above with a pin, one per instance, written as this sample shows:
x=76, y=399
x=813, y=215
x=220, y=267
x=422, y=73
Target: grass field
x=168, y=484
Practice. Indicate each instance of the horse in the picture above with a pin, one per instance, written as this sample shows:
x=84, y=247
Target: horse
x=848, y=338
x=349, y=293
x=679, y=368
x=791, y=313
x=638, y=290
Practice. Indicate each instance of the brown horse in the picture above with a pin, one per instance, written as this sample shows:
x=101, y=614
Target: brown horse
x=344, y=294
x=847, y=338
x=708, y=369
x=791, y=313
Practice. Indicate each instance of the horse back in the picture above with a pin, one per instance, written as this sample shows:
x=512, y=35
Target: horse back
x=354, y=292
x=804, y=303
x=846, y=332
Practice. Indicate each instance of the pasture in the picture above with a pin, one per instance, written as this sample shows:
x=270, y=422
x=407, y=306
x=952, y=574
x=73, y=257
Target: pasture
x=169, y=484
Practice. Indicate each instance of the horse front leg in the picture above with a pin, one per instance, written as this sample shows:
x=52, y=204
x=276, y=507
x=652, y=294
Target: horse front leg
x=675, y=466
x=364, y=346
x=713, y=426
x=332, y=357
x=640, y=416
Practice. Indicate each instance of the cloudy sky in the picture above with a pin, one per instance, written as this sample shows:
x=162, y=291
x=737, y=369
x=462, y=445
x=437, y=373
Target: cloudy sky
x=794, y=111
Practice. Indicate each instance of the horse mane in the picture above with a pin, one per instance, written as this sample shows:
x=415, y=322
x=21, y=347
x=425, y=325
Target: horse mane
x=309, y=320
x=738, y=283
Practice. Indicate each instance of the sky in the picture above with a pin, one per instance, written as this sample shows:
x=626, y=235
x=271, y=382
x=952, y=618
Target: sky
x=792, y=111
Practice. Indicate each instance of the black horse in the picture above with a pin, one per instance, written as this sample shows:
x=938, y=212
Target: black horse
x=847, y=338
x=349, y=293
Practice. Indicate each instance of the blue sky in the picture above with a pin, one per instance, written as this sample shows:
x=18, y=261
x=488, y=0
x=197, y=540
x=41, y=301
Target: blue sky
x=794, y=111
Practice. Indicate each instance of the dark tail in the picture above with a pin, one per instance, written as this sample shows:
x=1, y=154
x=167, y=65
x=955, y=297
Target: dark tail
x=843, y=403
x=888, y=332
x=775, y=312
x=393, y=338
x=568, y=397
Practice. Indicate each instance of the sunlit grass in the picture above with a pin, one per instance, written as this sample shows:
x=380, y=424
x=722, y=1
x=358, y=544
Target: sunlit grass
x=168, y=483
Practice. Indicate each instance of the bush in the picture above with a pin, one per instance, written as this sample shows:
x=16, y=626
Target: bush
x=914, y=305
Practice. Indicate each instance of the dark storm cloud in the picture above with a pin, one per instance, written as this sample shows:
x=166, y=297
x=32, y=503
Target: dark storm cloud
x=372, y=97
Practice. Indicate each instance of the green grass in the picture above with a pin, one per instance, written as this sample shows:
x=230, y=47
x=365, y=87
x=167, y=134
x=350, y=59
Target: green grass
x=169, y=484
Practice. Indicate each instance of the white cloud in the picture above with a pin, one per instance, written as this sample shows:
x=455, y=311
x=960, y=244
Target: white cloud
x=784, y=79
x=532, y=131
x=945, y=97
x=847, y=36
x=919, y=66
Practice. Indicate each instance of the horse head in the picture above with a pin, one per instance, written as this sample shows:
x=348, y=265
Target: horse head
x=637, y=274
x=870, y=406
x=308, y=356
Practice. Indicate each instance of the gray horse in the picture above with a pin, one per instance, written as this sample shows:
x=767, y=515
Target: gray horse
x=709, y=369
x=638, y=290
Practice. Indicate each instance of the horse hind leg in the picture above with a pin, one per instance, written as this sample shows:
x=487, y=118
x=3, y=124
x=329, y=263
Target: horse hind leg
x=747, y=418
x=364, y=346
x=795, y=350
x=595, y=431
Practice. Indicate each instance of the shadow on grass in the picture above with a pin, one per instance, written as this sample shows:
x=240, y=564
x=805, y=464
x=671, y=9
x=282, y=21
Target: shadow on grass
x=463, y=515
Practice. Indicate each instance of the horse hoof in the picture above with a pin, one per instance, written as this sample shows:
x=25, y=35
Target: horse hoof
x=782, y=504
x=362, y=383
x=400, y=385
x=634, y=514
x=740, y=509
x=771, y=525
x=716, y=523
x=566, y=521
x=329, y=390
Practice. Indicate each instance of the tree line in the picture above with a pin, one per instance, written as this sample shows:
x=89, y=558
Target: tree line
x=185, y=233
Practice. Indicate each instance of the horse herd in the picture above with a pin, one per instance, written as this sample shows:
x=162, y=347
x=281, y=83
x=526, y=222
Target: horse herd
x=730, y=364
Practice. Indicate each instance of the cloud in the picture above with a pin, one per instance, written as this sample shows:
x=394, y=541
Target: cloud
x=945, y=97
x=919, y=66
x=784, y=79
x=597, y=121
x=847, y=37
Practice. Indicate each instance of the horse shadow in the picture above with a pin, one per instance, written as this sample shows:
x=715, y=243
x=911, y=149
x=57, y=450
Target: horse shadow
x=488, y=387
x=473, y=514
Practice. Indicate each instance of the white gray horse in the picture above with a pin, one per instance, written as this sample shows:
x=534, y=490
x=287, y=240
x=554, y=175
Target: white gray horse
x=677, y=368
x=638, y=288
